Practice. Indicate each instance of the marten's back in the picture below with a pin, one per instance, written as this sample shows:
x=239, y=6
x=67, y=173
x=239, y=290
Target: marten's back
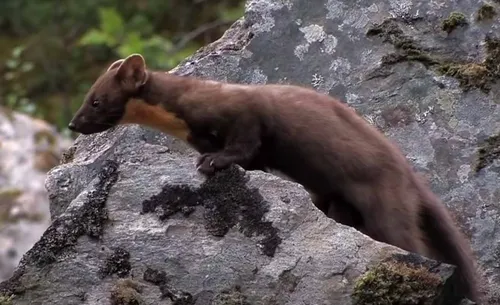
x=317, y=140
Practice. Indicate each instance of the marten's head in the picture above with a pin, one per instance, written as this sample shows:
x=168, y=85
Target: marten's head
x=105, y=104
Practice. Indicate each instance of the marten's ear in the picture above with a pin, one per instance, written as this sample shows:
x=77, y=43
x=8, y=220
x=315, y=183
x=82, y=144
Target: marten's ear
x=133, y=71
x=116, y=64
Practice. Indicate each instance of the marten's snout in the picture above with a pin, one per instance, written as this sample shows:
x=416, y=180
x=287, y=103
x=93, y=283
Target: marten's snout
x=72, y=126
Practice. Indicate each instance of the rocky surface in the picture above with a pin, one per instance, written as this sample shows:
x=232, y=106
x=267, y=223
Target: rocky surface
x=143, y=227
x=28, y=149
x=423, y=75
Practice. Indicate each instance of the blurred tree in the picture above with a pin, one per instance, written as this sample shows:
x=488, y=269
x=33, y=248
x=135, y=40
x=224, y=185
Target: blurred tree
x=51, y=52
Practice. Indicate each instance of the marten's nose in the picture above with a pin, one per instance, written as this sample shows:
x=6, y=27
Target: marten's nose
x=71, y=126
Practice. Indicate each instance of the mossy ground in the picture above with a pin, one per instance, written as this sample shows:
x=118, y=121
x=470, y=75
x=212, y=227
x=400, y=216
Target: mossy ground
x=396, y=283
x=486, y=11
x=454, y=20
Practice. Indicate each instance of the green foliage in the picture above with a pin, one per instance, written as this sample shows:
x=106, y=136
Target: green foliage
x=16, y=96
x=51, y=53
x=126, y=38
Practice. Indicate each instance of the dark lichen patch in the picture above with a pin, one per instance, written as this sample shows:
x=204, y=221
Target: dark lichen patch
x=88, y=220
x=398, y=283
x=177, y=296
x=68, y=155
x=232, y=296
x=126, y=292
x=288, y=281
x=486, y=11
x=117, y=263
x=227, y=201
x=488, y=152
x=454, y=20
x=154, y=276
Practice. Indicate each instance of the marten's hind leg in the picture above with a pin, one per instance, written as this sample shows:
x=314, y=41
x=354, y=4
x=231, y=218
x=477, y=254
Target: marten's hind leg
x=391, y=216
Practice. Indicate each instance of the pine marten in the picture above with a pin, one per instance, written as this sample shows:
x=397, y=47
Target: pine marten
x=354, y=173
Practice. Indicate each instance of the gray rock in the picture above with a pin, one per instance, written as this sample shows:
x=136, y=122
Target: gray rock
x=151, y=228
x=387, y=59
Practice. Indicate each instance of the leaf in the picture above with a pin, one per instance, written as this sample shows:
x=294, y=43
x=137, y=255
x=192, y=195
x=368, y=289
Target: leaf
x=96, y=37
x=111, y=22
x=11, y=63
x=16, y=52
x=132, y=44
x=27, y=66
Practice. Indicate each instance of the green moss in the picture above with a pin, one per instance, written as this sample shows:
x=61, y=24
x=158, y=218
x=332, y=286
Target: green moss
x=486, y=11
x=477, y=75
x=6, y=300
x=126, y=292
x=488, y=152
x=396, y=283
x=469, y=75
x=454, y=20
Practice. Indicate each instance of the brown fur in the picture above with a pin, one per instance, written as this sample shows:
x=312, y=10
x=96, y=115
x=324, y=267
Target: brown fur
x=354, y=173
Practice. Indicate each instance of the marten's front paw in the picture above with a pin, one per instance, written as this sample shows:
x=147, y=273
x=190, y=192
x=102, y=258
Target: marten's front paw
x=209, y=163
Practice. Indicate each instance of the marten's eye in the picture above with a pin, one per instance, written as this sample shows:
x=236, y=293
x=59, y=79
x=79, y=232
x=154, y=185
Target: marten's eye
x=95, y=103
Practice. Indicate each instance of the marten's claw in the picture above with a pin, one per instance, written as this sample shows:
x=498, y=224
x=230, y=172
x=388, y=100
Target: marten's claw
x=209, y=163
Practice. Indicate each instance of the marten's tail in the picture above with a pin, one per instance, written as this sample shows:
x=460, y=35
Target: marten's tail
x=446, y=242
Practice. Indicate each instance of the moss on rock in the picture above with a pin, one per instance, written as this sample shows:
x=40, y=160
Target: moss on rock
x=486, y=11
x=126, y=292
x=6, y=299
x=454, y=20
x=396, y=283
x=470, y=74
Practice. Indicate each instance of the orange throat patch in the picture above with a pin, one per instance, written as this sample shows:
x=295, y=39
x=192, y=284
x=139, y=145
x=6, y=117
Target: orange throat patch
x=155, y=116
